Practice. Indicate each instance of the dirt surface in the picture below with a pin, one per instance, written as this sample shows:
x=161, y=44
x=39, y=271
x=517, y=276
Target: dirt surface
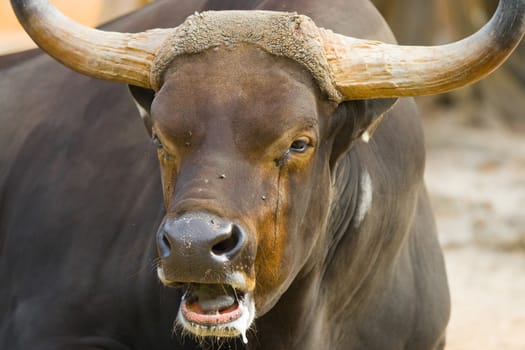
x=476, y=179
x=488, y=299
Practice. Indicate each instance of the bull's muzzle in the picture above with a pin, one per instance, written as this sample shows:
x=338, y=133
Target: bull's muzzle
x=210, y=258
x=199, y=247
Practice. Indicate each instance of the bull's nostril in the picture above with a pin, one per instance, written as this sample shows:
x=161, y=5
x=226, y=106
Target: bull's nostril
x=164, y=245
x=231, y=244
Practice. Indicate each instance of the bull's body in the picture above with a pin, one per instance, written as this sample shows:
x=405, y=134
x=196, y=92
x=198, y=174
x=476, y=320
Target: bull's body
x=80, y=200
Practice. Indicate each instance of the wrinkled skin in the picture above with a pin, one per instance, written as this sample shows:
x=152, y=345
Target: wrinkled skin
x=341, y=253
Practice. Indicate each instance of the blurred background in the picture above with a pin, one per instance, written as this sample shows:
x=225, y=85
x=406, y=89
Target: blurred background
x=476, y=177
x=475, y=164
x=89, y=12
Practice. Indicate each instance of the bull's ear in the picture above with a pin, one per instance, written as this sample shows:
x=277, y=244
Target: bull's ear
x=357, y=119
x=143, y=99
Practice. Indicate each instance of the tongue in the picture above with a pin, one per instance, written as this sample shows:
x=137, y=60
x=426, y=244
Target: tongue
x=212, y=304
x=204, y=306
x=210, y=299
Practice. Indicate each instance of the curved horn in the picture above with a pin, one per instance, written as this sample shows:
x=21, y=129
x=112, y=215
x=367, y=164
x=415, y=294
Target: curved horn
x=369, y=69
x=120, y=57
x=359, y=69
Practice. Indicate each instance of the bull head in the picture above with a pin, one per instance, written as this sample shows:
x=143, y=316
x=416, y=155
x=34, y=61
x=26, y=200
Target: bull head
x=249, y=116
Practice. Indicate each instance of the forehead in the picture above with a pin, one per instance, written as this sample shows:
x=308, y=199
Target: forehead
x=240, y=82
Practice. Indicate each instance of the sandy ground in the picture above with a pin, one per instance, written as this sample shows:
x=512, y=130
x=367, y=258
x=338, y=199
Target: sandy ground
x=488, y=299
x=476, y=179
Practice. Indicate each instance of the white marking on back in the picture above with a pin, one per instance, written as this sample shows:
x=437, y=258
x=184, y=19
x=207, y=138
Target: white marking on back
x=365, y=197
x=365, y=136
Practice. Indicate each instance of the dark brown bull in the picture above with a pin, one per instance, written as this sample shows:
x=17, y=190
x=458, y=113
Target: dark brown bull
x=279, y=212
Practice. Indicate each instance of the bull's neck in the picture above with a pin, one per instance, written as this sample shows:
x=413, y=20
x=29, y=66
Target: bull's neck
x=296, y=320
x=304, y=299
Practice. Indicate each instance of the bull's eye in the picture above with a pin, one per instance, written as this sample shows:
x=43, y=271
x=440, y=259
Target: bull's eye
x=300, y=145
x=155, y=140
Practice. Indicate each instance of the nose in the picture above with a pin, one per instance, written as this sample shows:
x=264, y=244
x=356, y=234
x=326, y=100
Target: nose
x=198, y=241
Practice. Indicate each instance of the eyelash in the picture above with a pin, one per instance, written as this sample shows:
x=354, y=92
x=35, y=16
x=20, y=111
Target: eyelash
x=155, y=140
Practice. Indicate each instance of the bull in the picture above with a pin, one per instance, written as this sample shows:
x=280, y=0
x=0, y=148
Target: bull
x=294, y=209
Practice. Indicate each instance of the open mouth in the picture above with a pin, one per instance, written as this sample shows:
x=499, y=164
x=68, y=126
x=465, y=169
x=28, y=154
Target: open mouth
x=217, y=310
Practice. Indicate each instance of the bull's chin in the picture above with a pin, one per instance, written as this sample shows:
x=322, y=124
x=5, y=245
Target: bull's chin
x=217, y=311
